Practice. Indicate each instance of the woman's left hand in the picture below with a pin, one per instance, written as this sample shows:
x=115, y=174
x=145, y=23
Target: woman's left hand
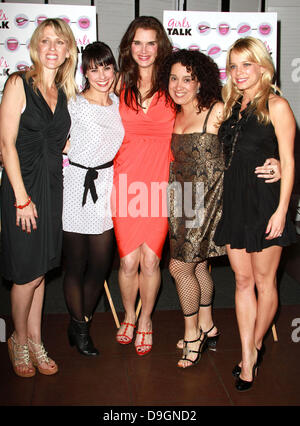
x=270, y=171
x=275, y=225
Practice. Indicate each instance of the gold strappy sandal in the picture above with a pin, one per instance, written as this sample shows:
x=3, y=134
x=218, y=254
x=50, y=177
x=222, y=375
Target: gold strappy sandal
x=19, y=356
x=38, y=356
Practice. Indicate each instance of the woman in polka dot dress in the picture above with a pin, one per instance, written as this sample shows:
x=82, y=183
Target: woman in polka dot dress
x=95, y=138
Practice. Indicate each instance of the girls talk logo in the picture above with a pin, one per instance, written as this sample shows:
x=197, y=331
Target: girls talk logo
x=159, y=199
x=3, y=21
x=179, y=27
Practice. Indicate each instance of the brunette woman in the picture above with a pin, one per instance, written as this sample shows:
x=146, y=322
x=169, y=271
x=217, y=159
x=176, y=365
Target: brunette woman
x=140, y=223
x=95, y=137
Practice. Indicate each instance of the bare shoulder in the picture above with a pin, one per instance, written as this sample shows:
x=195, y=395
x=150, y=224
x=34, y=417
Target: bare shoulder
x=13, y=99
x=216, y=117
x=278, y=105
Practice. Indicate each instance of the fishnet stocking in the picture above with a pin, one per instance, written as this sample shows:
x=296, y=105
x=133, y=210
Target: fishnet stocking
x=194, y=285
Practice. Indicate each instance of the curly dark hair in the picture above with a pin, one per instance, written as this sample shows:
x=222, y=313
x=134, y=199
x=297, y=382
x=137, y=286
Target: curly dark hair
x=129, y=71
x=201, y=67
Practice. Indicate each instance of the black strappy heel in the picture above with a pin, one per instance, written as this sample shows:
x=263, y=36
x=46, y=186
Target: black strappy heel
x=211, y=341
x=187, y=351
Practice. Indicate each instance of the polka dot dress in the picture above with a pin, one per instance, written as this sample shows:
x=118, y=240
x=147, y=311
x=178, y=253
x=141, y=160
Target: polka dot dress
x=95, y=137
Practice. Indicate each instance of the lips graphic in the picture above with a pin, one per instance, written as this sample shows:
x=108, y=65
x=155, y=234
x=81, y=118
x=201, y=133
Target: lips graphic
x=265, y=29
x=214, y=51
x=12, y=44
x=84, y=22
x=22, y=66
x=222, y=73
x=244, y=28
x=223, y=28
x=21, y=21
x=40, y=19
x=175, y=48
x=194, y=47
x=66, y=19
x=203, y=28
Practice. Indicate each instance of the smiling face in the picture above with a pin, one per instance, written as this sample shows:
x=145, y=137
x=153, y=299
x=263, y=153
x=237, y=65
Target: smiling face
x=52, y=49
x=245, y=74
x=144, y=47
x=183, y=87
x=100, y=77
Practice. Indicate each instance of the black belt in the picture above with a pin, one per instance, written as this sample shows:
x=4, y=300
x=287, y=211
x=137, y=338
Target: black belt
x=90, y=176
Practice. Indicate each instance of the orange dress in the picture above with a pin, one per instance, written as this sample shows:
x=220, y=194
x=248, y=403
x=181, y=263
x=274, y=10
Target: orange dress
x=141, y=173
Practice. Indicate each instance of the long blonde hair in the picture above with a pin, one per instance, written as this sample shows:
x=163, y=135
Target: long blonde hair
x=255, y=51
x=65, y=76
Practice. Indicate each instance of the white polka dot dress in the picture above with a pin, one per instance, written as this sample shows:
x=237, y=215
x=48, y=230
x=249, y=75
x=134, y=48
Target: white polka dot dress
x=95, y=137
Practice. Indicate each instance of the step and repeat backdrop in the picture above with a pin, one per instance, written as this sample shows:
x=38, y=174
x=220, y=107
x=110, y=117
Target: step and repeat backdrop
x=18, y=22
x=214, y=32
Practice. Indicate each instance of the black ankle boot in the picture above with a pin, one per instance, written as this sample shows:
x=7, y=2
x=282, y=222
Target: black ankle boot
x=78, y=333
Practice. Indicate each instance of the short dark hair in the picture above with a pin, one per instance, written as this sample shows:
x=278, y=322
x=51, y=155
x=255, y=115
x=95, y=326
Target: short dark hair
x=96, y=54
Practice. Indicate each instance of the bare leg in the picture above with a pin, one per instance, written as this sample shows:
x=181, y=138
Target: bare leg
x=129, y=284
x=149, y=282
x=246, y=306
x=26, y=312
x=265, y=266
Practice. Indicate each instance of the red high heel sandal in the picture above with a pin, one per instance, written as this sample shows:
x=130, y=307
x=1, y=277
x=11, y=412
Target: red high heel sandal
x=126, y=342
x=142, y=353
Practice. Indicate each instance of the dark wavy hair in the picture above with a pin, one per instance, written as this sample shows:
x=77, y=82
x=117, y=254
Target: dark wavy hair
x=129, y=70
x=96, y=54
x=201, y=67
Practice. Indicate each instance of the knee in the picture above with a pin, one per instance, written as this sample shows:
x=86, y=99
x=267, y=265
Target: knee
x=149, y=263
x=244, y=281
x=129, y=265
x=265, y=282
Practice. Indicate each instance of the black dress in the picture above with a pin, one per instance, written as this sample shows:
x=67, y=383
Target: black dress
x=249, y=202
x=198, y=163
x=41, y=138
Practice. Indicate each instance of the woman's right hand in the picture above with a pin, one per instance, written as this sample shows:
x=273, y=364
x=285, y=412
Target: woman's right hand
x=26, y=218
x=270, y=171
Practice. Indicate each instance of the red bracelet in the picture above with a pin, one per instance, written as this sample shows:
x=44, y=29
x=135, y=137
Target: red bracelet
x=24, y=205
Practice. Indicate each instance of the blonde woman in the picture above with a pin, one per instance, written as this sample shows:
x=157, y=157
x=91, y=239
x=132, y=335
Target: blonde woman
x=255, y=224
x=34, y=127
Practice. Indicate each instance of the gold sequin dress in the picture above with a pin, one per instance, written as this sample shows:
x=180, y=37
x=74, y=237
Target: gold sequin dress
x=195, y=195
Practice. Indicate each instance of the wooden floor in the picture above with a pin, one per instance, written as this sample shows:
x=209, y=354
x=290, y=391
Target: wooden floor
x=118, y=377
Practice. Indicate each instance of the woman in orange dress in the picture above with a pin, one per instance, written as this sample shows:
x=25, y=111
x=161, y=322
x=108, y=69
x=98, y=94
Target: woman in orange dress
x=141, y=172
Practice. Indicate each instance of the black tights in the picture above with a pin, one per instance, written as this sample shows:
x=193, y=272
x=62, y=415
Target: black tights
x=194, y=285
x=87, y=260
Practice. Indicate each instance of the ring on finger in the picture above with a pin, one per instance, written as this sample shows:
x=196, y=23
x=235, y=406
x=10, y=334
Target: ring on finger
x=272, y=172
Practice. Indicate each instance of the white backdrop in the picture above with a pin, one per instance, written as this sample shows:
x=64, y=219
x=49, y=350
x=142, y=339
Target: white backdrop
x=214, y=32
x=19, y=20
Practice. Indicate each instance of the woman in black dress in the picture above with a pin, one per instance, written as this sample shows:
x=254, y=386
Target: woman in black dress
x=34, y=127
x=255, y=224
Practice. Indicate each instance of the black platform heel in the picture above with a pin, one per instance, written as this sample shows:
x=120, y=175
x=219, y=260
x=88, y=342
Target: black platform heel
x=260, y=353
x=78, y=333
x=244, y=385
x=211, y=342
